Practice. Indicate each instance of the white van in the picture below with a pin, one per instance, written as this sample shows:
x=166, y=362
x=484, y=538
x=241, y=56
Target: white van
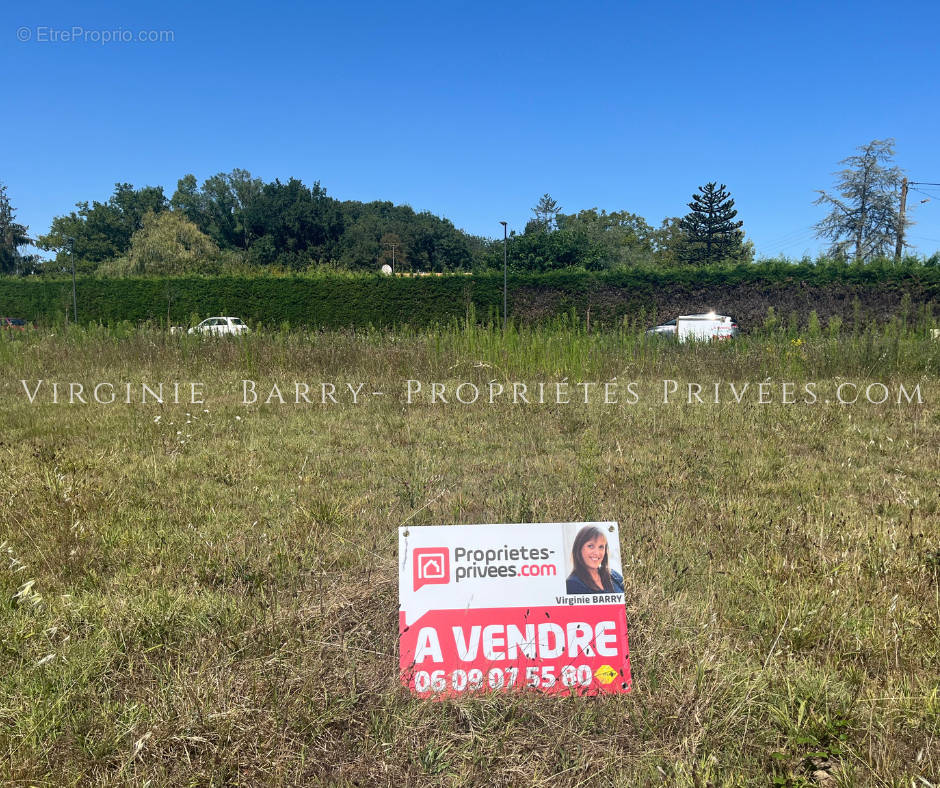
x=698, y=328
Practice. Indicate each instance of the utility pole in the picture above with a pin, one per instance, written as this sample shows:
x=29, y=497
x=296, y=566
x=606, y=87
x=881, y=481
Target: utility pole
x=901, y=214
x=900, y=243
x=393, y=247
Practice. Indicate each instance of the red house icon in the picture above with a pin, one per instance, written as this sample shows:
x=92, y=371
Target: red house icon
x=431, y=566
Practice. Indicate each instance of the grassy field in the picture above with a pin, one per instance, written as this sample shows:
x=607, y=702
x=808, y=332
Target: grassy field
x=206, y=594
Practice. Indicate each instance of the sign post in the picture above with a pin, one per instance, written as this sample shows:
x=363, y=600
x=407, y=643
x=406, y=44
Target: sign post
x=533, y=606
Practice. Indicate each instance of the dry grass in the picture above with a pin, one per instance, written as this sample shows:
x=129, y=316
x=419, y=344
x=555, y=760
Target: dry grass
x=213, y=595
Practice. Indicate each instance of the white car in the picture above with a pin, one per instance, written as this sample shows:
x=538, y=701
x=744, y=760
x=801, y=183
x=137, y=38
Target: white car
x=219, y=326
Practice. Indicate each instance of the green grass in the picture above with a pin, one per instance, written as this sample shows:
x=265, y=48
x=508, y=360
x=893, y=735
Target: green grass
x=217, y=587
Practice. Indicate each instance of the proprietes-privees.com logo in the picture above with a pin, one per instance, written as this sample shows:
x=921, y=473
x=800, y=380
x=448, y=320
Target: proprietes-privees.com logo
x=432, y=564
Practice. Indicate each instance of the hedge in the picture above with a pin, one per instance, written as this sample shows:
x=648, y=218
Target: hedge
x=344, y=300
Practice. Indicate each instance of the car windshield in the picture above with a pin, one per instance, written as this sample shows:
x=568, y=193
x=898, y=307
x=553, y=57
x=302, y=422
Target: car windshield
x=670, y=323
x=15, y=321
x=237, y=322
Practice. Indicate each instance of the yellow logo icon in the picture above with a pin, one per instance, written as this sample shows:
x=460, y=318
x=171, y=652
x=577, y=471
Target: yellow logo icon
x=605, y=674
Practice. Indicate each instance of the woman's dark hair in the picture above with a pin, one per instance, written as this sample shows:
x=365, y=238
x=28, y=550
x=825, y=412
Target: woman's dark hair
x=584, y=536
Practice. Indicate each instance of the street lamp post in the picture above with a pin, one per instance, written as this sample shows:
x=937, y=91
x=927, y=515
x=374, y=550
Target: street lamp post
x=71, y=243
x=505, y=261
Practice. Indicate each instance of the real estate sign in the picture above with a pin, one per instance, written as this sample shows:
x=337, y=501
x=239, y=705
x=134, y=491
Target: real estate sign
x=536, y=606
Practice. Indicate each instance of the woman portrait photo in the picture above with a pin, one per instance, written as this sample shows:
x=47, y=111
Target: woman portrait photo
x=590, y=559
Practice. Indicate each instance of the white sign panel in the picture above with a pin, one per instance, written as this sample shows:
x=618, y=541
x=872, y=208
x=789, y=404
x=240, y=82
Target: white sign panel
x=503, y=607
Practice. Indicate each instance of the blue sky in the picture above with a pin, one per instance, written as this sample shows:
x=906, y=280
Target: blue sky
x=474, y=110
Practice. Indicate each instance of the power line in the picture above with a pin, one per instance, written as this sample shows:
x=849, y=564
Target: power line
x=796, y=231
x=792, y=237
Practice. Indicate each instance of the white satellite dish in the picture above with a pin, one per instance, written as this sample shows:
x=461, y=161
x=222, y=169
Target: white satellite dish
x=386, y=270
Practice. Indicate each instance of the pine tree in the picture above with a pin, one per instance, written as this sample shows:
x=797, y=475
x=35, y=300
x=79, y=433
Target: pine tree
x=546, y=215
x=12, y=236
x=866, y=213
x=711, y=234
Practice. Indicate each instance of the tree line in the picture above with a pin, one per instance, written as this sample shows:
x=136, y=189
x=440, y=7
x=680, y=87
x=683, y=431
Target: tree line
x=234, y=221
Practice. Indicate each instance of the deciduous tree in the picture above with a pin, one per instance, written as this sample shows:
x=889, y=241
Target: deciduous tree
x=168, y=243
x=621, y=238
x=103, y=231
x=13, y=235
